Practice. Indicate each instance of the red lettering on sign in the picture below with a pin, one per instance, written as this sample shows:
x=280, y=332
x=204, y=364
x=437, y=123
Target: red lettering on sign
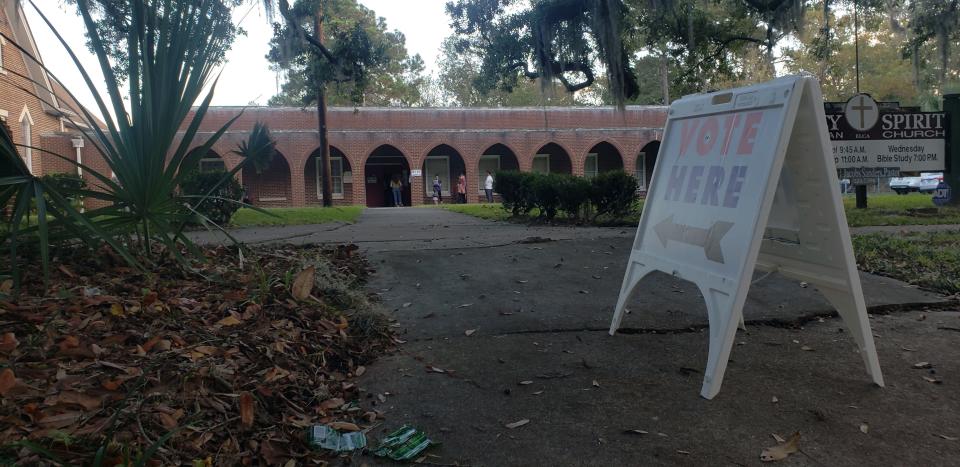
x=687, y=130
x=729, y=124
x=708, y=136
x=751, y=125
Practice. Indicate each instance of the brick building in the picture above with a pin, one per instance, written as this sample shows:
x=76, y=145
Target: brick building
x=370, y=146
x=37, y=110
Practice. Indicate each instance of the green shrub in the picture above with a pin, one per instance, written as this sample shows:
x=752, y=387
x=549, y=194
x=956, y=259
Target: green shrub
x=65, y=181
x=574, y=195
x=222, y=203
x=70, y=185
x=613, y=193
x=516, y=191
x=546, y=192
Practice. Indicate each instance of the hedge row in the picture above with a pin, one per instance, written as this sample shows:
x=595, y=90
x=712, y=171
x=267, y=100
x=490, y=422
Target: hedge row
x=609, y=193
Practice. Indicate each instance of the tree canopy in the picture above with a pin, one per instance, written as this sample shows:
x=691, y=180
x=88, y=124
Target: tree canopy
x=367, y=63
x=698, y=45
x=113, y=23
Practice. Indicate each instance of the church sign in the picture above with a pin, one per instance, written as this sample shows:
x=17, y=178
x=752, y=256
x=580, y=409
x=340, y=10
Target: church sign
x=879, y=139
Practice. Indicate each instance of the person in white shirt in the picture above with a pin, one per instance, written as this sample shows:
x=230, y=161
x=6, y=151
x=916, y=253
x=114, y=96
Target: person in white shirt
x=488, y=187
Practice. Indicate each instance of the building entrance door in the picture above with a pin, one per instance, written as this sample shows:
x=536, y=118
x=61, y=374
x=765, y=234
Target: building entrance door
x=377, y=182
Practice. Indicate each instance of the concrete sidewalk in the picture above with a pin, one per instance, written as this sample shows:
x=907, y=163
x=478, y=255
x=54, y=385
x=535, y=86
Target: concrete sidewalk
x=519, y=333
x=405, y=229
x=506, y=322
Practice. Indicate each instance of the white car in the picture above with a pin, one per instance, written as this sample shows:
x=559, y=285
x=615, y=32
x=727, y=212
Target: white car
x=925, y=183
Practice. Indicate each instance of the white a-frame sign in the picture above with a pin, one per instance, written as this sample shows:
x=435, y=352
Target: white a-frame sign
x=745, y=179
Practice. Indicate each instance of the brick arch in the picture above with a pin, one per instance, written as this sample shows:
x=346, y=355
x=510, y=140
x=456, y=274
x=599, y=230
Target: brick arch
x=228, y=165
x=611, y=141
x=368, y=150
x=512, y=164
x=272, y=187
x=649, y=161
x=557, y=165
x=312, y=189
x=457, y=164
x=380, y=165
x=604, y=162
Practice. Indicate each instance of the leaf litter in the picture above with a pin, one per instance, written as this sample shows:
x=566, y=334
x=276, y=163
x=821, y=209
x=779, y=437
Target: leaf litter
x=228, y=362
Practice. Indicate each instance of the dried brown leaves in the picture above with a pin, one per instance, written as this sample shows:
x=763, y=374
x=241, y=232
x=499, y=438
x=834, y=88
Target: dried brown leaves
x=176, y=352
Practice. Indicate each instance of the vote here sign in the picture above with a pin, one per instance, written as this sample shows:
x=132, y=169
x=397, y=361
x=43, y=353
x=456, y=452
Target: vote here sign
x=745, y=181
x=712, y=173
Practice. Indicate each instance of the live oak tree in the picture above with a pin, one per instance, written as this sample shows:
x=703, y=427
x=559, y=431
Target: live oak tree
x=556, y=40
x=886, y=72
x=460, y=83
x=332, y=42
x=392, y=76
x=935, y=30
x=698, y=44
x=112, y=21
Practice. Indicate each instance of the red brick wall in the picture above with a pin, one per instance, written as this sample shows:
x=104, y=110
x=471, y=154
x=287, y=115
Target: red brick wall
x=469, y=133
x=17, y=102
x=313, y=195
x=271, y=188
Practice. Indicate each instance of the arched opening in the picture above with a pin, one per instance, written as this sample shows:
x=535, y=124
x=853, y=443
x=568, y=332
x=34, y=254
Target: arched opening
x=496, y=157
x=210, y=162
x=341, y=175
x=603, y=157
x=386, y=163
x=646, y=161
x=445, y=164
x=552, y=158
x=270, y=186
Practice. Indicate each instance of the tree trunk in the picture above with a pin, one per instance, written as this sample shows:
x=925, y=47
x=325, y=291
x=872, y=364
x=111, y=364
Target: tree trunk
x=825, y=42
x=944, y=46
x=327, y=178
x=665, y=78
x=768, y=56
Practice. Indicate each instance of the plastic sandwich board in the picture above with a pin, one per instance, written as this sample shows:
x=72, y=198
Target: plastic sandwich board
x=745, y=180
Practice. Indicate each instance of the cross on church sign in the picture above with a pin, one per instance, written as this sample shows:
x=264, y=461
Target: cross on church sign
x=880, y=138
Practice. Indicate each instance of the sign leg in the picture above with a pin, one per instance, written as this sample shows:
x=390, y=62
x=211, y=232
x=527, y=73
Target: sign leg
x=724, y=319
x=854, y=314
x=635, y=272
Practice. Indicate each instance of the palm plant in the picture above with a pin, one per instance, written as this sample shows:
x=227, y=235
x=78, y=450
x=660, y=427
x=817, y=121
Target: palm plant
x=171, y=48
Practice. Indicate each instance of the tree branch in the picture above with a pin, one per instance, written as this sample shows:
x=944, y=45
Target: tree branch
x=311, y=39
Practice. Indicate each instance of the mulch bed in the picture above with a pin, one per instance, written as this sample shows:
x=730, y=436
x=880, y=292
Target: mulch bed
x=220, y=365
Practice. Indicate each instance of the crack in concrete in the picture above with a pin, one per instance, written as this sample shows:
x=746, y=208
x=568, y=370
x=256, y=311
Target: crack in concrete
x=877, y=310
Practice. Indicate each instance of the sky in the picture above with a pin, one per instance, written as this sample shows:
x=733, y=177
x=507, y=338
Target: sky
x=246, y=77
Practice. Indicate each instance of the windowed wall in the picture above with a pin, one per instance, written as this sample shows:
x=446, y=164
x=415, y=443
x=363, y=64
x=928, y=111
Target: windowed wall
x=590, y=166
x=488, y=162
x=437, y=166
x=26, y=128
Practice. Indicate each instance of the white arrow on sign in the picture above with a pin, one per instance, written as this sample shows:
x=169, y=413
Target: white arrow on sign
x=708, y=239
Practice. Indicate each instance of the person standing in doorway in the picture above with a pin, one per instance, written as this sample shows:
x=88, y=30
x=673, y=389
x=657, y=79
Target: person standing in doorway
x=437, y=190
x=488, y=187
x=396, y=185
x=462, y=188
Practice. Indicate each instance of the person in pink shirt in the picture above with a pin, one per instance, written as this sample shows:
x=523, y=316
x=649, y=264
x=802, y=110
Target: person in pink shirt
x=462, y=188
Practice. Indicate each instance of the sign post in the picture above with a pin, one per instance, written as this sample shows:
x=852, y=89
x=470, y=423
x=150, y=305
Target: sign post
x=861, y=113
x=951, y=105
x=746, y=180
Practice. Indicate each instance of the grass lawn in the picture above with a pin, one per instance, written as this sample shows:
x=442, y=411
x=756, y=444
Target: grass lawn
x=493, y=212
x=929, y=260
x=893, y=209
x=296, y=216
x=884, y=209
